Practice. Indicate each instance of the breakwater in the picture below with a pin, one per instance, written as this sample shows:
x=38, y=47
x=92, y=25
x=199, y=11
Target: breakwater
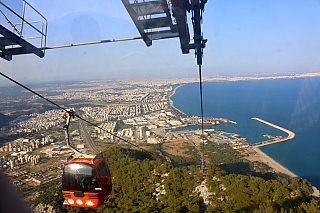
x=276, y=139
x=278, y=168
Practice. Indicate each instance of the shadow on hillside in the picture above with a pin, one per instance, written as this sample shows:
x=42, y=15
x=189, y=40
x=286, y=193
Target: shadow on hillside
x=138, y=154
x=245, y=168
x=176, y=161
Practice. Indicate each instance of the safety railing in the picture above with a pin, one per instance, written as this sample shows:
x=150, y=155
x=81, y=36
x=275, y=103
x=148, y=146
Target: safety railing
x=41, y=32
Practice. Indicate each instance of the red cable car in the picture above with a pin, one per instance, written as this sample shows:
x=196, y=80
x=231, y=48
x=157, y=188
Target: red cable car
x=86, y=179
x=86, y=182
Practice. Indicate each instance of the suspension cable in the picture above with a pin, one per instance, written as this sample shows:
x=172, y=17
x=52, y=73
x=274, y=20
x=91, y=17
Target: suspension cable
x=76, y=115
x=37, y=94
x=202, y=117
x=90, y=43
x=12, y=25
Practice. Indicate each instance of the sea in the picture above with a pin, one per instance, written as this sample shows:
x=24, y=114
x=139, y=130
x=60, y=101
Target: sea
x=292, y=103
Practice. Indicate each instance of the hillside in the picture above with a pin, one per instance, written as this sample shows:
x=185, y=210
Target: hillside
x=147, y=183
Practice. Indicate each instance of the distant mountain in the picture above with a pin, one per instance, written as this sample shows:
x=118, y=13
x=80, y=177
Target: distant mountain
x=4, y=119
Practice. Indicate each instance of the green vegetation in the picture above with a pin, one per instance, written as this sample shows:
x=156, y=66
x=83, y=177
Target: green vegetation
x=240, y=193
x=222, y=154
x=51, y=194
x=140, y=177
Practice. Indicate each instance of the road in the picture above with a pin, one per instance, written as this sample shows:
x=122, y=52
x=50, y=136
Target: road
x=87, y=138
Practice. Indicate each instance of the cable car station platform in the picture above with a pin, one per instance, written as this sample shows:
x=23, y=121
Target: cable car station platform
x=11, y=44
x=24, y=34
x=154, y=21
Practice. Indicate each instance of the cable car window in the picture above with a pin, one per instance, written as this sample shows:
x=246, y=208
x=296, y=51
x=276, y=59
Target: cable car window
x=102, y=167
x=80, y=177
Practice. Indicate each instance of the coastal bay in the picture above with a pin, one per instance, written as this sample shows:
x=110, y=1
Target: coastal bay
x=284, y=102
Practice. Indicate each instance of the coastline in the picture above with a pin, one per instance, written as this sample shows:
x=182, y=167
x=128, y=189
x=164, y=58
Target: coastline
x=277, y=167
x=260, y=155
x=171, y=102
x=263, y=157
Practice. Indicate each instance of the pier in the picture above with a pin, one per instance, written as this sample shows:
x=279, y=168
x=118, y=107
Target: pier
x=276, y=140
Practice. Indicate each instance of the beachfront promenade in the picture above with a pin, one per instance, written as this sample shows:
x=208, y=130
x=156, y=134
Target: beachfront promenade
x=277, y=139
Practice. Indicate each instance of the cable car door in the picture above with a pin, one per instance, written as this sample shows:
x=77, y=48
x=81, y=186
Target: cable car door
x=105, y=177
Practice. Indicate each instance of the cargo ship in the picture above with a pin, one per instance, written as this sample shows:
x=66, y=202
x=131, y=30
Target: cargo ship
x=212, y=121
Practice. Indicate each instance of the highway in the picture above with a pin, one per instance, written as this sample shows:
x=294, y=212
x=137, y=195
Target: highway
x=87, y=138
x=276, y=140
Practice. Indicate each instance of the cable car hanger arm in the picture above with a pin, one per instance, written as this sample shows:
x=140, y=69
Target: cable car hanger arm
x=68, y=114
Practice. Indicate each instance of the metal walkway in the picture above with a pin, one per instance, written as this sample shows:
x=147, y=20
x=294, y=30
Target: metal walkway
x=11, y=44
x=18, y=42
x=152, y=19
x=160, y=19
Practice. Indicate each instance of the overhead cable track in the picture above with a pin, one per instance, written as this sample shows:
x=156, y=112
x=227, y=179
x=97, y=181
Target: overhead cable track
x=202, y=117
x=197, y=8
x=12, y=25
x=66, y=110
x=90, y=43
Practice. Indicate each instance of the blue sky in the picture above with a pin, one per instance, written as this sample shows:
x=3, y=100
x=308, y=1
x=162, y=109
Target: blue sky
x=244, y=37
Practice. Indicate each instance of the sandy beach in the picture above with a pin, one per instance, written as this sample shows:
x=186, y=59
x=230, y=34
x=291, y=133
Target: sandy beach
x=173, y=92
x=278, y=168
x=171, y=102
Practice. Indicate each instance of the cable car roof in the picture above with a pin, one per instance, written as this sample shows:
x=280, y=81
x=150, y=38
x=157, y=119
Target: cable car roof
x=87, y=160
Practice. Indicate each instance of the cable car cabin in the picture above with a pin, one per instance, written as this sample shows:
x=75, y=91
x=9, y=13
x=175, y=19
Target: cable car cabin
x=86, y=182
